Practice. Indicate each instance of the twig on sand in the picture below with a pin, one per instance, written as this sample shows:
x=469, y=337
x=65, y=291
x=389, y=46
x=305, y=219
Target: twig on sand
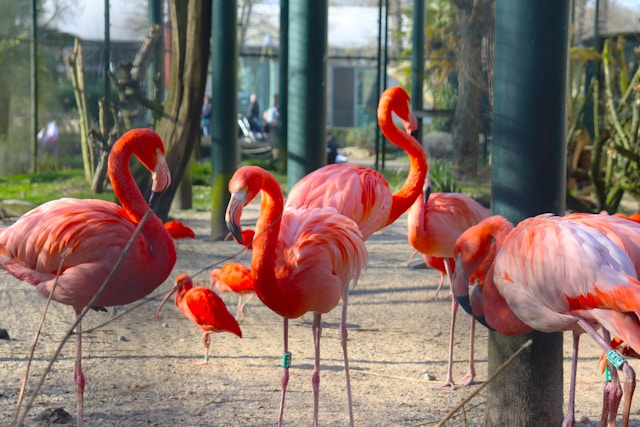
x=491, y=378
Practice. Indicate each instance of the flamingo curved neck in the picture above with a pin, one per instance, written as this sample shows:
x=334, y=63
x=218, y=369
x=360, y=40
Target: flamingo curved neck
x=418, y=166
x=124, y=186
x=263, y=261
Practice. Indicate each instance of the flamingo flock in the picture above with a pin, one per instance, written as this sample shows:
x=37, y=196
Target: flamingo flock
x=578, y=272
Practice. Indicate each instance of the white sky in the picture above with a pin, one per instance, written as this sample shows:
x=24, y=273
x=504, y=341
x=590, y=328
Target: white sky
x=348, y=26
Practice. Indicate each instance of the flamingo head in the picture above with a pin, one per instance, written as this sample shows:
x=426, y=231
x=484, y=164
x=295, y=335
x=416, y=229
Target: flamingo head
x=244, y=186
x=183, y=283
x=397, y=100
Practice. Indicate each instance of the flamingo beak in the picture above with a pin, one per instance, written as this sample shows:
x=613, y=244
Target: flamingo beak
x=166, y=298
x=234, y=213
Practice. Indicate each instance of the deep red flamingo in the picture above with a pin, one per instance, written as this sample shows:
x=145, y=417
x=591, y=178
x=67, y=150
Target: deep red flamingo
x=234, y=277
x=85, y=238
x=204, y=308
x=179, y=230
x=302, y=260
x=432, y=229
x=361, y=193
x=557, y=274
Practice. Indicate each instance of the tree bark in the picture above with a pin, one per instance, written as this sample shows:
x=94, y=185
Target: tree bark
x=180, y=125
x=474, y=20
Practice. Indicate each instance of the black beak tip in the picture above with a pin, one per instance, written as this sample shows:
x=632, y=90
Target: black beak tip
x=153, y=199
x=235, y=230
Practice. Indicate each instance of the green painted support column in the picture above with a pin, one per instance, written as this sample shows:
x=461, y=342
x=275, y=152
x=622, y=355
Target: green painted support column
x=417, y=62
x=224, y=129
x=307, y=102
x=528, y=178
x=283, y=86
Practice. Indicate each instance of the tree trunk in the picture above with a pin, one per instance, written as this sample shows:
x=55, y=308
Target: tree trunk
x=473, y=23
x=180, y=124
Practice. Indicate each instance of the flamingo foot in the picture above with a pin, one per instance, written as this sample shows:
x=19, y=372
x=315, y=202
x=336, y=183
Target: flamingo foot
x=202, y=363
x=467, y=379
x=449, y=385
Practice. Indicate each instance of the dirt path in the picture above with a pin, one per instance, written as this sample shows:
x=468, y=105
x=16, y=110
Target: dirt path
x=140, y=371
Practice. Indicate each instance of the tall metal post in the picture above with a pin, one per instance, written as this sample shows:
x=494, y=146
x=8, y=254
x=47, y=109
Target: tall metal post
x=283, y=56
x=417, y=62
x=34, y=86
x=528, y=178
x=307, y=95
x=225, y=153
x=154, y=11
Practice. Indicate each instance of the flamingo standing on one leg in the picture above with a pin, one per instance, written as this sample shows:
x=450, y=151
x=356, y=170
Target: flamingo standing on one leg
x=432, y=229
x=302, y=260
x=557, y=274
x=85, y=238
x=234, y=277
x=204, y=308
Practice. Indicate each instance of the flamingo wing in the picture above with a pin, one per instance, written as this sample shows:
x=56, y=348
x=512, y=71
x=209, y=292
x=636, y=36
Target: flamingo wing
x=85, y=238
x=563, y=268
x=357, y=192
x=207, y=310
x=319, y=252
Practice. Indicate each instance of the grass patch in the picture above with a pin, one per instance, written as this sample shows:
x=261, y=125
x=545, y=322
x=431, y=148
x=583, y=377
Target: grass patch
x=45, y=186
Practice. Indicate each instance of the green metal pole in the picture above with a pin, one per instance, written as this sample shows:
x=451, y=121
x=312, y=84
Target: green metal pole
x=283, y=86
x=417, y=62
x=307, y=103
x=225, y=153
x=155, y=72
x=528, y=178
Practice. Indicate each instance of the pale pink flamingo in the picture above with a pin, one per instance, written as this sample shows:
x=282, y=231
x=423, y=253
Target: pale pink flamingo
x=234, y=277
x=85, y=238
x=204, y=308
x=302, y=260
x=432, y=229
x=561, y=275
x=361, y=193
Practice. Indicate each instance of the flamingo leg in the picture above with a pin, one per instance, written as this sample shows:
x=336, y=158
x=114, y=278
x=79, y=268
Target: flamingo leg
x=241, y=305
x=78, y=376
x=240, y=311
x=449, y=385
x=315, y=378
x=439, y=287
x=570, y=418
x=468, y=379
x=612, y=392
x=286, y=360
x=629, y=384
x=206, y=341
x=343, y=337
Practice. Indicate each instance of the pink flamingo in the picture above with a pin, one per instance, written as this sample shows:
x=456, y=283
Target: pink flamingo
x=361, y=193
x=84, y=239
x=204, y=308
x=234, y=277
x=432, y=229
x=302, y=260
x=557, y=274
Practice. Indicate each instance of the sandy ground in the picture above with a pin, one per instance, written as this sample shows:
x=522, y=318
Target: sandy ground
x=141, y=371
